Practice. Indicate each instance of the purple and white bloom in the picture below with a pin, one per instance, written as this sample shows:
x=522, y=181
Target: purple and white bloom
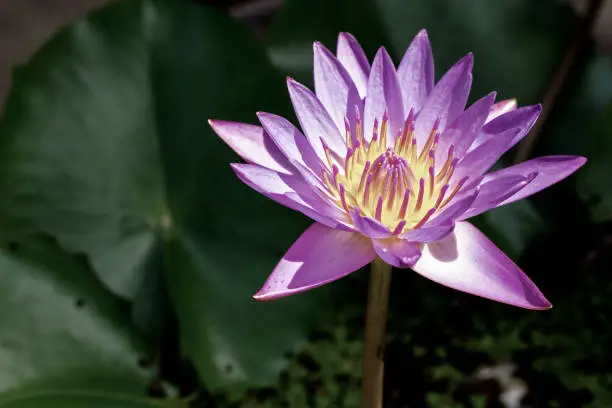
x=391, y=165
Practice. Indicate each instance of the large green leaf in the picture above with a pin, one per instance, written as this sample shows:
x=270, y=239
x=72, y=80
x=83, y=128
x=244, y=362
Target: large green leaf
x=105, y=145
x=517, y=43
x=65, y=341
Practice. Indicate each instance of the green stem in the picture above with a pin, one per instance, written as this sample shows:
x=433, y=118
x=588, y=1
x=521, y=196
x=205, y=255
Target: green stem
x=374, y=347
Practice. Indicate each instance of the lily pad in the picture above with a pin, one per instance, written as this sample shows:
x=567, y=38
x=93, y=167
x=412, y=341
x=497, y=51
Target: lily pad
x=105, y=146
x=65, y=340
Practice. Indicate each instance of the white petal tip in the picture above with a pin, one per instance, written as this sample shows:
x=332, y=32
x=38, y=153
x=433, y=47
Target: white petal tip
x=423, y=34
x=261, y=297
x=262, y=115
x=264, y=296
x=221, y=127
x=346, y=36
x=382, y=52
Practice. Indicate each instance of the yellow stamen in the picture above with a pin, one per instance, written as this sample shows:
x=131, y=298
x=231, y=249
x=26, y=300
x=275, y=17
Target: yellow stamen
x=398, y=185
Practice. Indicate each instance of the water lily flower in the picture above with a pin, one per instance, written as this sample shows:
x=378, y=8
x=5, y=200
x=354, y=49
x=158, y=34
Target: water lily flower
x=390, y=165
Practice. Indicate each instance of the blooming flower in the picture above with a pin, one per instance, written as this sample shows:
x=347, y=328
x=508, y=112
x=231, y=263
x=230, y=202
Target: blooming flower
x=391, y=165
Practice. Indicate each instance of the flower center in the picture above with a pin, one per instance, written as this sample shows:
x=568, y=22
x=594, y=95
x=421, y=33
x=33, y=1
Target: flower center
x=394, y=182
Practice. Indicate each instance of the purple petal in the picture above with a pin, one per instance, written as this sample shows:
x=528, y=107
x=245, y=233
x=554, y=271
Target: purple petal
x=290, y=141
x=462, y=132
x=549, y=169
x=483, y=157
x=250, y=142
x=383, y=95
x=352, y=57
x=333, y=85
x=469, y=262
x=290, y=191
x=455, y=209
x=494, y=191
x=319, y=256
x=522, y=119
x=443, y=222
x=397, y=252
x=428, y=234
x=500, y=108
x=416, y=73
x=317, y=184
x=368, y=226
x=447, y=100
x=315, y=121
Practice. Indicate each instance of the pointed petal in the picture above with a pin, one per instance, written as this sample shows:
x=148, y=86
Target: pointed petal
x=352, y=57
x=493, y=192
x=416, y=73
x=319, y=256
x=333, y=85
x=315, y=121
x=455, y=209
x=443, y=222
x=482, y=158
x=290, y=191
x=522, y=119
x=252, y=144
x=462, y=132
x=469, y=262
x=290, y=141
x=317, y=184
x=500, y=108
x=447, y=100
x=549, y=170
x=397, y=252
x=368, y=226
x=266, y=181
x=383, y=95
